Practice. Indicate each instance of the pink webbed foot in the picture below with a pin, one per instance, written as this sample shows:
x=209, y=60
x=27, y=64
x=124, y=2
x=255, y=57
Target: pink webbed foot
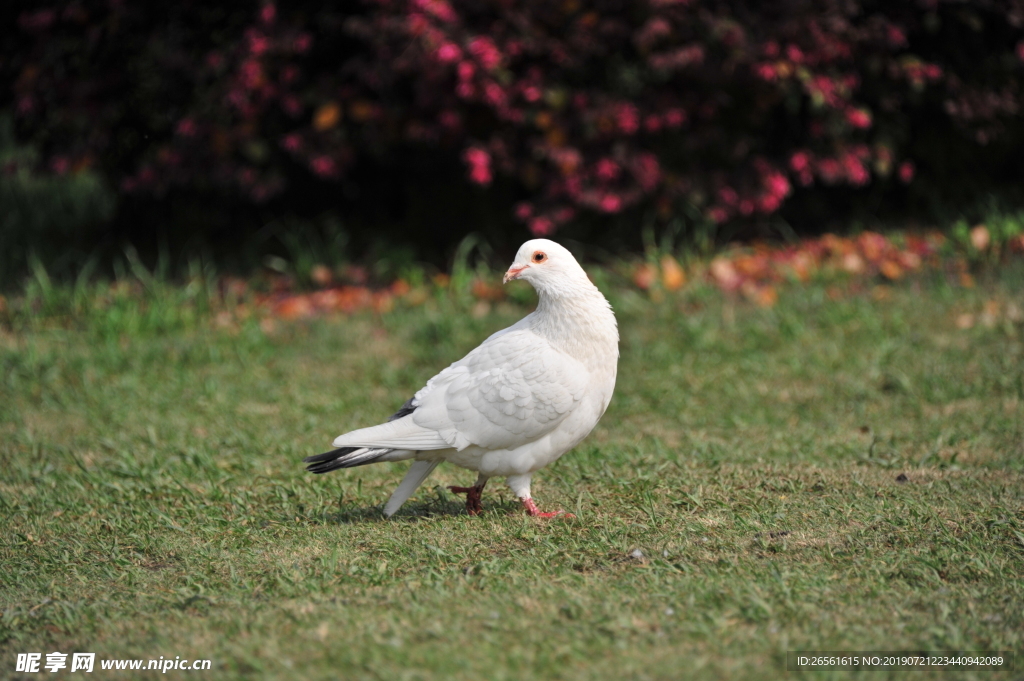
x=533, y=511
x=473, y=505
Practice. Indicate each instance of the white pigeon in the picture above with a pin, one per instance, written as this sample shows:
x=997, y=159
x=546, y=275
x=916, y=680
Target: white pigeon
x=524, y=397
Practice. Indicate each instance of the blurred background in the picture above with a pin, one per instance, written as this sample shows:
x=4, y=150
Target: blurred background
x=387, y=131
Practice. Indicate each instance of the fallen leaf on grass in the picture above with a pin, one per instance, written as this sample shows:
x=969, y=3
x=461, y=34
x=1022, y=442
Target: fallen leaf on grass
x=980, y=238
x=645, y=276
x=672, y=276
x=725, y=274
x=321, y=275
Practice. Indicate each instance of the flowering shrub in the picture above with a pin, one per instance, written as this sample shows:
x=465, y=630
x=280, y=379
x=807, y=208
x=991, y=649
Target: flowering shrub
x=587, y=107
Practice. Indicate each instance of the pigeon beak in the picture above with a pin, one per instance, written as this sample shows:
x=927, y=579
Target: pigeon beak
x=513, y=273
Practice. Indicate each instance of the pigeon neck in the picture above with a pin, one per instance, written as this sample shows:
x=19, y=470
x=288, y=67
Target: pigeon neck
x=578, y=321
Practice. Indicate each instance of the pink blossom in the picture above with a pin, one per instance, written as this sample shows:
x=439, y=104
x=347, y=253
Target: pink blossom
x=258, y=44
x=324, y=166
x=531, y=93
x=291, y=142
x=766, y=71
x=524, y=210
x=777, y=185
x=465, y=89
x=728, y=196
x=485, y=52
x=771, y=49
x=607, y=169
x=768, y=203
x=302, y=43
x=805, y=177
x=746, y=206
x=628, y=118
x=418, y=24
x=800, y=161
x=825, y=88
x=675, y=118
x=268, y=13
x=60, y=165
x=466, y=70
x=856, y=173
x=718, y=215
x=677, y=59
x=541, y=226
x=858, y=118
x=830, y=170
x=291, y=105
x=494, y=95
x=186, y=127
x=568, y=159
x=448, y=53
x=906, y=171
x=611, y=203
x=647, y=171
x=289, y=74
x=564, y=215
x=514, y=115
x=238, y=100
x=794, y=54
x=652, y=123
x=438, y=8
x=895, y=36
x=480, y=174
x=573, y=186
x=477, y=156
x=652, y=31
x=450, y=119
x=479, y=162
x=252, y=73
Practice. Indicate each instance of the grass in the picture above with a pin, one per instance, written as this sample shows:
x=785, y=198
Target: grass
x=741, y=498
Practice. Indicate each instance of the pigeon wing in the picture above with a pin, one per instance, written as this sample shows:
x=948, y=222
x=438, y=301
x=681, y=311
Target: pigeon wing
x=513, y=389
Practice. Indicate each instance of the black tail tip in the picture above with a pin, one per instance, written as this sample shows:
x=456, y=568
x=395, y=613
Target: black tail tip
x=328, y=461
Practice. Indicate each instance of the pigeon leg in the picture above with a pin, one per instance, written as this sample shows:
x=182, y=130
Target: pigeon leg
x=532, y=510
x=473, y=505
x=520, y=485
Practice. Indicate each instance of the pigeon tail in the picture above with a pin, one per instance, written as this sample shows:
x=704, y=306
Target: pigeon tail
x=402, y=433
x=418, y=472
x=344, y=457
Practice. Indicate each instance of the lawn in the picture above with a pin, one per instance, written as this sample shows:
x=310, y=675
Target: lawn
x=842, y=471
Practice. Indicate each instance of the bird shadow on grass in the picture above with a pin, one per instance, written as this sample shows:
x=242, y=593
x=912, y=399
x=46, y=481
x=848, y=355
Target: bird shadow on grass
x=410, y=513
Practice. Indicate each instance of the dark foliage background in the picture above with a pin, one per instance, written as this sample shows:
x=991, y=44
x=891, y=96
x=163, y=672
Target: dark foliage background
x=405, y=125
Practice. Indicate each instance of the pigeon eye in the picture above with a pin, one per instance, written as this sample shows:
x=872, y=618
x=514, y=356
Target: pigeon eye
x=539, y=256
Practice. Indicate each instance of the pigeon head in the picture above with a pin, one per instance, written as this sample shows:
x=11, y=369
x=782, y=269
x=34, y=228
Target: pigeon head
x=549, y=267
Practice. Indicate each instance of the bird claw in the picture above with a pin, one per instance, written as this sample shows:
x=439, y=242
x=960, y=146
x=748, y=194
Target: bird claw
x=533, y=511
x=473, y=504
x=556, y=514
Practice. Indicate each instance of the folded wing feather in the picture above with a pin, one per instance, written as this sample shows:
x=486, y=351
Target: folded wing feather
x=513, y=389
